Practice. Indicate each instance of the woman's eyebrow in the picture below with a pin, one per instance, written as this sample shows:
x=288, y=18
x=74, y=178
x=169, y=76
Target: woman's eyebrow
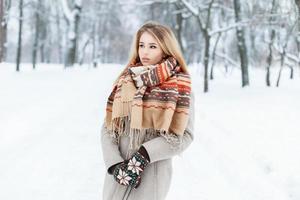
x=149, y=43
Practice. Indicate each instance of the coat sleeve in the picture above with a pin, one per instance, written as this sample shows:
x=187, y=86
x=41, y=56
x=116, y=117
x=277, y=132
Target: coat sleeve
x=159, y=149
x=110, y=149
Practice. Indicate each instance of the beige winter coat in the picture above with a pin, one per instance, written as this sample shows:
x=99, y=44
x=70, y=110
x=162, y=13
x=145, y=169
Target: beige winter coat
x=156, y=177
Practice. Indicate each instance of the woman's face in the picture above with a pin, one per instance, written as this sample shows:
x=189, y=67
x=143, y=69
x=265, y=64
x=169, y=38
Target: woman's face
x=150, y=52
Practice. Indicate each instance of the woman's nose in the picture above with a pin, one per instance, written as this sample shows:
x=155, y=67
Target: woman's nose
x=145, y=52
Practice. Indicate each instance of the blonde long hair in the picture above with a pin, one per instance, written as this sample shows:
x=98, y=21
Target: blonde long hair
x=166, y=40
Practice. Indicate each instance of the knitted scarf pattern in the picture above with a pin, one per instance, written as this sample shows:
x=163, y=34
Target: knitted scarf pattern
x=152, y=99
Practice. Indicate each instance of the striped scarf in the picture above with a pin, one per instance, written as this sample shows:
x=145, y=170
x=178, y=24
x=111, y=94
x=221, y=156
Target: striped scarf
x=152, y=98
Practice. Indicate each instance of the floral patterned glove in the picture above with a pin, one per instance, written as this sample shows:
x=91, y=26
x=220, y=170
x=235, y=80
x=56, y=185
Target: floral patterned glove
x=129, y=172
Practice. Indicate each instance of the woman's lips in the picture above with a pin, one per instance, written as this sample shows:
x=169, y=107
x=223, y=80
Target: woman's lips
x=145, y=60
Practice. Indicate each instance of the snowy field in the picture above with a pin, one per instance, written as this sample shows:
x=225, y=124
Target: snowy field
x=246, y=143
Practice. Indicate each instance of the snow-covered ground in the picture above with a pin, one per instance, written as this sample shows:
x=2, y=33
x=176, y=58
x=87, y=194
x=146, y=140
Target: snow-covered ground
x=245, y=148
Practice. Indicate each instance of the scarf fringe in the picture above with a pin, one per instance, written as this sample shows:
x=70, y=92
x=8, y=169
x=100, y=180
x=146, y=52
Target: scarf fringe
x=121, y=127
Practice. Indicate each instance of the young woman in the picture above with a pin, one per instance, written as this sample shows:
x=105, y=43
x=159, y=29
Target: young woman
x=149, y=118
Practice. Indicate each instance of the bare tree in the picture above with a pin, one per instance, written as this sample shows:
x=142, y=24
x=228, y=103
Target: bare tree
x=179, y=25
x=4, y=8
x=43, y=33
x=298, y=33
x=59, y=34
x=1, y=31
x=214, y=56
x=270, y=44
x=222, y=17
x=241, y=43
x=72, y=17
x=19, y=48
x=282, y=49
x=204, y=27
x=37, y=31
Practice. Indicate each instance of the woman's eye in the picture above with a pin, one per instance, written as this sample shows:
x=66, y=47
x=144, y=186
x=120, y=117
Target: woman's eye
x=153, y=47
x=141, y=45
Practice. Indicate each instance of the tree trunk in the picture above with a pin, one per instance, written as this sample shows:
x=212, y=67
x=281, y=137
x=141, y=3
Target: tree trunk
x=94, y=45
x=36, y=35
x=19, y=48
x=292, y=72
x=268, y=82
x=72, y=33
x=43, y=38
x=4, y=8
x=206, y=60
x=241, y=44
x=282, y=56
x=270, y=56
x=81, y=57
x=59, y=34
x=298, y=34
x=48, y=45
x=2, y=31
x=214, y=56
x=178, y=27
x=206, y=34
